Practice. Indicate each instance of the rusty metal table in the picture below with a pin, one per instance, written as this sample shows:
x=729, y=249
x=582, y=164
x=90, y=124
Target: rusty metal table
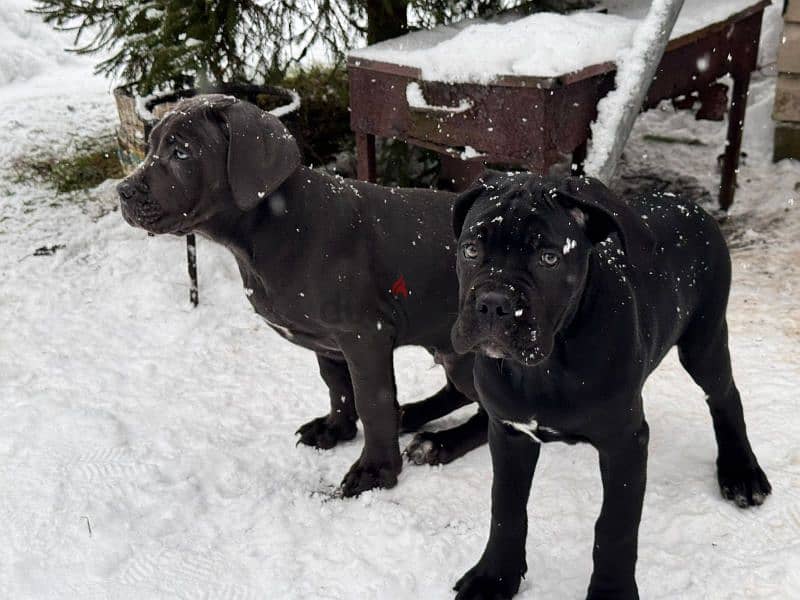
x=534, y=122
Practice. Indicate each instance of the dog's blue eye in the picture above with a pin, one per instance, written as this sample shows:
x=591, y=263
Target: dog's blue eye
x=549, y=258
x=180, y=154
x=470, y=251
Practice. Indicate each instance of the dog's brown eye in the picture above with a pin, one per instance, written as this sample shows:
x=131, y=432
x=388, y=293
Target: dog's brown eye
x=549, y=258
x=470, y=251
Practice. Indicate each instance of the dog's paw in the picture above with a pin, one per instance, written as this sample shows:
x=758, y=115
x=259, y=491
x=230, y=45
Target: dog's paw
x=745, y=484
x=476, y=584
x=364, y=476
x=325, y=433
x=425, y=449
x=607, y=586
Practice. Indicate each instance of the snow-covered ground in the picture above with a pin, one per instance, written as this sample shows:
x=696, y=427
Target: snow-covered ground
x=147, y=449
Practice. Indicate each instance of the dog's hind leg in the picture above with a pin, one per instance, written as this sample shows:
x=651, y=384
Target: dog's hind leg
x=442, y=447
x=703, y=352
x=340, y=424
x=415, y=414
x=459, y=391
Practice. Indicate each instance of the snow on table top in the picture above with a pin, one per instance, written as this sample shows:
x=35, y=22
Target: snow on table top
x=539, y=45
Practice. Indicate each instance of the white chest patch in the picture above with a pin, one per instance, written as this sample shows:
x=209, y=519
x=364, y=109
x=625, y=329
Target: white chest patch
x=531, y=428
x=285, y=331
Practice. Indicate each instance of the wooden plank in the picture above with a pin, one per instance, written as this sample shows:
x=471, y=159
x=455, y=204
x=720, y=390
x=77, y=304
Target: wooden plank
x=787, y=141
x=787, y=99
x=792, y=12
x=789, y=49
x=730, y=161
x=365, y=157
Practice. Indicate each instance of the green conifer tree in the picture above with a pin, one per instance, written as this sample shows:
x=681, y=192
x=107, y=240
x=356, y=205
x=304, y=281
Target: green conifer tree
x=157, y=44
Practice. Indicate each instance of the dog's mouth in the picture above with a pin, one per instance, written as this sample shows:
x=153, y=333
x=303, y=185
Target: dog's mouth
x=140, y=212
x=521, y=341
x=148, y=215
x=503, y=320
x=527, y=356
x=166, y=227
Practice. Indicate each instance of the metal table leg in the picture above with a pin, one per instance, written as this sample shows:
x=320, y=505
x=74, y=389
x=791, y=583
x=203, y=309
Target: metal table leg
x=730, y=161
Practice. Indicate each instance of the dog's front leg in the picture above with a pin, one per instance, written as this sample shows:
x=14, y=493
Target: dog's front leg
x=372, y=375
x=500, y=569
x=623, y=468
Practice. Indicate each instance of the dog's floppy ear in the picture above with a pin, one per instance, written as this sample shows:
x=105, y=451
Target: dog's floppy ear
x=262, y=153
x=462, y=205
x=600, y=212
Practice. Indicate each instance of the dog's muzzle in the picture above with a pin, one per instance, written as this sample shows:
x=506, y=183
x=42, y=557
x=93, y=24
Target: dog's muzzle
x=135, y=203
x=495, y=317
x=497, y=321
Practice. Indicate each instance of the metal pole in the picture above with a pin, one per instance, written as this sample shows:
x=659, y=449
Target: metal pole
x=635, y=70
x=191, y=257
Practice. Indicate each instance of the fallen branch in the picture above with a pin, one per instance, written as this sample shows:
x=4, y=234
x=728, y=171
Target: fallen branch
x=636, y=67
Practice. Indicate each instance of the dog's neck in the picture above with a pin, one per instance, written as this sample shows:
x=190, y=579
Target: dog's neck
x=240, y=230
x=228, y=228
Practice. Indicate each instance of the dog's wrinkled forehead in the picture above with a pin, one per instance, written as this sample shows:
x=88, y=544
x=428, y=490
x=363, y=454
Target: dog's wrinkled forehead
x=191, y=118
x=518, y=207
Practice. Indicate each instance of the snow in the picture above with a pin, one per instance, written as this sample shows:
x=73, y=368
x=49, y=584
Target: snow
x=292, y=106
x=142, y=103
x=147, y=449
x=469, y=152
x=416, y=100
x=539, y=45
x=27, y=45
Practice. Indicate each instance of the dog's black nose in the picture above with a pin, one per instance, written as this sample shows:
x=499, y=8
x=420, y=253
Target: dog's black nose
x=494, y=305
x=125, y=190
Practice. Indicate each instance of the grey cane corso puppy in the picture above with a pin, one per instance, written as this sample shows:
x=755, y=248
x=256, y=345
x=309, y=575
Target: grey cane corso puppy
x=569, y=324
x=347, y=269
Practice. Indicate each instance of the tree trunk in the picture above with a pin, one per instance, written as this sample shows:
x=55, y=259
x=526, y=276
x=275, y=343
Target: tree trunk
x=386, y=19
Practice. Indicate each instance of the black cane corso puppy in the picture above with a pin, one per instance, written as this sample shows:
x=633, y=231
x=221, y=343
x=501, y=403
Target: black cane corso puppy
x=345, y=268
x=568, y=324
